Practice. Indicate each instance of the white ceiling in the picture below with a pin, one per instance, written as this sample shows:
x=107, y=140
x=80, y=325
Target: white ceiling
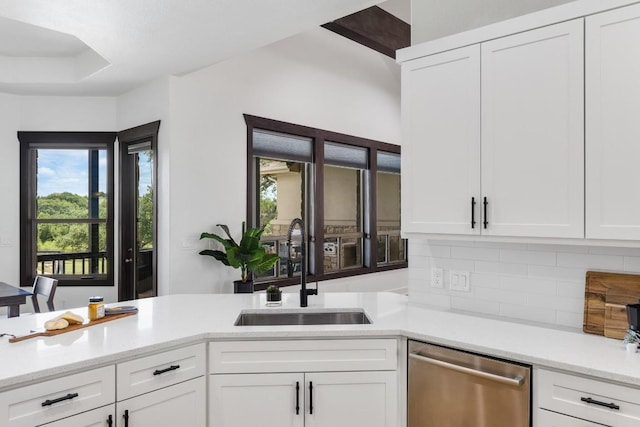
x=106, y=47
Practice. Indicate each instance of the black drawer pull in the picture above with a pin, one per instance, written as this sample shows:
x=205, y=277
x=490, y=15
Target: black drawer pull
x=485, y=202
x=473, y=212
x=297, y=397
x=597, y=402
x=126, y=418
x=60, y=399
x=169, y=369
x=310, y=398
x=110, y=421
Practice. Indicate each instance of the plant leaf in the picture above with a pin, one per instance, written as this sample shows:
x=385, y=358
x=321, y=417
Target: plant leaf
x=219, y=255
x=226, y=230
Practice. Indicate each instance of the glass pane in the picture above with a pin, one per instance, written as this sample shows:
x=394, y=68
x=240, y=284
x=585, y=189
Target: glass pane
x=71, y=184
x=282, y=198
x=342, y=218
x=71, y=248
x=391, y=248
x=145, y=200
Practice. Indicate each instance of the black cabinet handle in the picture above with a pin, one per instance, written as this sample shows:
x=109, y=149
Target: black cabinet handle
x=485, y=203
x=60, y=399
x=169, y=369
x=310, y=398
x=297, y=397
x=597, y=402
x=109, y=421
x=126, y=418
x=473, y=212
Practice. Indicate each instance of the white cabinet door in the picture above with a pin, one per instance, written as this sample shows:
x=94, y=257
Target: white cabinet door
x=351, y=399
x=613, y=125
x=101, y=417
x=441, y=142
x=544, y=418
x=533, y=132
x=248, y=400
x=182, y=405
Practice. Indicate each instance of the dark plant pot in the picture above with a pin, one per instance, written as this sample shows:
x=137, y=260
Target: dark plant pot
x=240, y=287
x=633, y=314
x=274, y=297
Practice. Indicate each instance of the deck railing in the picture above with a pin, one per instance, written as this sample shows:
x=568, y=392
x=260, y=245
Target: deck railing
x=76, y=263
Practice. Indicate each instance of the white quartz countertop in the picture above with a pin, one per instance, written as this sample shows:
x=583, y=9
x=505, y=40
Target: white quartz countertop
x=174, y=320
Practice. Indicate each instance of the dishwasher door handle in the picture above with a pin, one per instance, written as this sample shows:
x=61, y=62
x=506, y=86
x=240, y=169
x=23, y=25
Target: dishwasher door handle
x=518, y=381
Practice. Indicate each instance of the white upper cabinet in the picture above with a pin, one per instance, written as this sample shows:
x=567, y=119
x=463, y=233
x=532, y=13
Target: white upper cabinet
x=613, y=124
x=533, y=133
x=501, y=121
x=441, y=148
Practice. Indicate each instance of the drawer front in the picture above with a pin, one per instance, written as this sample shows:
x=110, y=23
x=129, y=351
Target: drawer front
x=546, y=418
x=160, y=370
x=596, y=401
x=56, y=399
x=101, y=417
x=303, y=356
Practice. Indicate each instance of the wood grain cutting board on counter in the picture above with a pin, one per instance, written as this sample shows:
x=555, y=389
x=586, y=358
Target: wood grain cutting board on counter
x=74, y=327
x=605, y=298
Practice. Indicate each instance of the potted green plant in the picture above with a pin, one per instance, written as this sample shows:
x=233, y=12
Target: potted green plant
x=274, y=295
x=249, y=255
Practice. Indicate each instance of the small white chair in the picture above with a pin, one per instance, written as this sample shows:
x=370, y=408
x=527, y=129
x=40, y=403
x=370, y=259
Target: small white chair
x=45, y=286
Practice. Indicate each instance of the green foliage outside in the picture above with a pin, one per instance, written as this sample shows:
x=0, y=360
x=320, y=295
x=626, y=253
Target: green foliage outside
x=268, y=200
x=68, y=237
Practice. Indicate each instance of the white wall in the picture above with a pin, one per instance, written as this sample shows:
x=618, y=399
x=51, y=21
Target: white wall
x=42, y=113
x=432, y=19
x=543, y=283
x=317, y=79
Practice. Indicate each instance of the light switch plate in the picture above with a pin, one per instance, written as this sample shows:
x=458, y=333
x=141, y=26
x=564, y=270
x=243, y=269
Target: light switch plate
x=459, y=281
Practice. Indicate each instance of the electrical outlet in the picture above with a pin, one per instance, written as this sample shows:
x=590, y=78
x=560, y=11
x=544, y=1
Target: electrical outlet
x=436, y=278
x=459, y=281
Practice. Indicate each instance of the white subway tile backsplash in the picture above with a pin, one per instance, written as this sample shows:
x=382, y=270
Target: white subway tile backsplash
x=501, y=268
x=479, y=254
x=604, y=262
x=571, y=289
x=537, y=282
x=474, y=305
x=558, y=248
x=528, y=313
x=605, y=250
x=573, y=320
x=526, y=285
x=528, y=257
x=485, y=280
x=560, y=273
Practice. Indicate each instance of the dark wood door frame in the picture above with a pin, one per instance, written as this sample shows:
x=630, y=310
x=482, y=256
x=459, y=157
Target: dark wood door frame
x=147, y=132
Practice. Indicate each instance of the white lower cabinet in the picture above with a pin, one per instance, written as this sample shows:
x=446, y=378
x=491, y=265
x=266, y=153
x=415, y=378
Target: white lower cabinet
x=101, y=417
x=183, y=405
x=361, y=389
x=571, y=400
x=551, y=419
x=57, y=399
x=165, y=389
x=318, y=399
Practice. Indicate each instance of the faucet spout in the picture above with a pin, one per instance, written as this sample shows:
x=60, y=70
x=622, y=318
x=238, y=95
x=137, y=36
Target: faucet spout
x=304, y=292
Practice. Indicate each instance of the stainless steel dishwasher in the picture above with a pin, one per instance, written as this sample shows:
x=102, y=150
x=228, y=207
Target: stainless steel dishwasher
x=451, y=388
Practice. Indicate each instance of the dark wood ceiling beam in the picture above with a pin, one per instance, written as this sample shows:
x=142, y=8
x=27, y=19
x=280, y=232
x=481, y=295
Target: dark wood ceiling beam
x=374, y=28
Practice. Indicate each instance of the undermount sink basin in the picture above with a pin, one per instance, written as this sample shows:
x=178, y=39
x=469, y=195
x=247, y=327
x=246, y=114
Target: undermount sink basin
x=305, y=318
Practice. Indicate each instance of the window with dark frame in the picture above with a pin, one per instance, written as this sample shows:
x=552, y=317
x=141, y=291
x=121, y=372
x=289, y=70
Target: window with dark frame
x=66, y=207
x=345, y=188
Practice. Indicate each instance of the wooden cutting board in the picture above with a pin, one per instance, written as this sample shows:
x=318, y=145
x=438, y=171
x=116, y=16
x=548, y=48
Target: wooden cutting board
x=605, y=299
x=70, y=327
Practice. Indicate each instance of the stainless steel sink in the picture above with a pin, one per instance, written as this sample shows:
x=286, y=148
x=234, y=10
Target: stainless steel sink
x=304, y=318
